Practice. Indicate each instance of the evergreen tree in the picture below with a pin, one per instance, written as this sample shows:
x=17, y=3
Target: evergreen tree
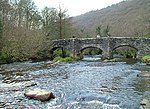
x=106, y=31
x=98, y=30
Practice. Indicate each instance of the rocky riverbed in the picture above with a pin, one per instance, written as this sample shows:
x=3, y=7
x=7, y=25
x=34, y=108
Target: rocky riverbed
x=76, y=85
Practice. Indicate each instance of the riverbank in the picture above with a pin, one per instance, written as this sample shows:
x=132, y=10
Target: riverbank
x=146, y=59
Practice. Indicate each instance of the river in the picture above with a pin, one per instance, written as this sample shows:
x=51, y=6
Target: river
x=76, y=85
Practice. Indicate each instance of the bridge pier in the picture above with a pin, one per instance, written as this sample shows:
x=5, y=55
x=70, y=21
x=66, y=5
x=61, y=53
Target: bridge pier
x=107, y=55
x=107, y=51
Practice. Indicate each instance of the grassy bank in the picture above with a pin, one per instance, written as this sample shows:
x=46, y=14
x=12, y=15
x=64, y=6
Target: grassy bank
x=146, y=59
x=66, y=59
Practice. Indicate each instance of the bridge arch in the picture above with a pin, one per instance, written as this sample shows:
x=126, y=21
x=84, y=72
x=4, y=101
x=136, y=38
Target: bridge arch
x=122, y=45
x=62, y=52
x=97, y=49
x=55, y=48
x=129, y=51
x=99, y=46
x=86, y=47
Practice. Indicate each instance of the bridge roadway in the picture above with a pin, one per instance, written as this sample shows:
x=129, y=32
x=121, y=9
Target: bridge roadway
x=106, y=44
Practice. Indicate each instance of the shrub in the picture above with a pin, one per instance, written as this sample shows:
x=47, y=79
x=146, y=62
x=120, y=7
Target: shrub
x=75, y=57
x=57, y=53
x=5, y=58
x=67, y=59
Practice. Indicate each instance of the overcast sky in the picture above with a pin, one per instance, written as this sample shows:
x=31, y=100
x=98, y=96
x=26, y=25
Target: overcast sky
x=76, y=7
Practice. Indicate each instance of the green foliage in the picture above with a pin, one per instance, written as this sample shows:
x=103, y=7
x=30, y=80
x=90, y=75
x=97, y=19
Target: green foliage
x=67, y=59
x=5, y=58
x=146, y=58
x=56, y=59
x=64, y=57
x=58, y=53
x=66, y=53
x=126, y=52
x=130, y=53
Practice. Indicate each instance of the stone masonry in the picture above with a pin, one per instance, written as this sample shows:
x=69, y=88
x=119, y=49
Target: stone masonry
x=106, y=44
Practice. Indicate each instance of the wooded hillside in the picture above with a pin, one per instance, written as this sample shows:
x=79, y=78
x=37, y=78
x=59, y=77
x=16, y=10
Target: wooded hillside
x=129, y=18
x=24, y=30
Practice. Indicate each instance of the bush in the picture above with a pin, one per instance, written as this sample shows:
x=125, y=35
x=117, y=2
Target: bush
x=67, y=59
x=146, y=59
x=75, y=57
x=57, y=53
x=66, y=53
x=42, y=55
x=56, y=59
x=5, y=58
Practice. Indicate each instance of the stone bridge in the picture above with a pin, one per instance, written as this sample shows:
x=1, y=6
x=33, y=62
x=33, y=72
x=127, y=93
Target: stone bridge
x=106, y=44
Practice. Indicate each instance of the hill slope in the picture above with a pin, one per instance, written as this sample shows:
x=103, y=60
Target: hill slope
x=130, y=18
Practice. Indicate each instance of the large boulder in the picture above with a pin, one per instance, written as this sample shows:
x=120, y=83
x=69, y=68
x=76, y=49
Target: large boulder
x=39, y=94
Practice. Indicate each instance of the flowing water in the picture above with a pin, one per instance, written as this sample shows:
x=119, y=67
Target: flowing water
x=76, y=85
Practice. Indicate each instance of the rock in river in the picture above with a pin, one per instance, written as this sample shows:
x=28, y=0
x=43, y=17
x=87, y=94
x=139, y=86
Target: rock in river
x=145, y=104
x=144, y=74
x=29, y=84
x=39, y=94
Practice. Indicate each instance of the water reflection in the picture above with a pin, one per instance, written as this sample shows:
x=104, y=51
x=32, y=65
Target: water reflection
x=91, y=58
